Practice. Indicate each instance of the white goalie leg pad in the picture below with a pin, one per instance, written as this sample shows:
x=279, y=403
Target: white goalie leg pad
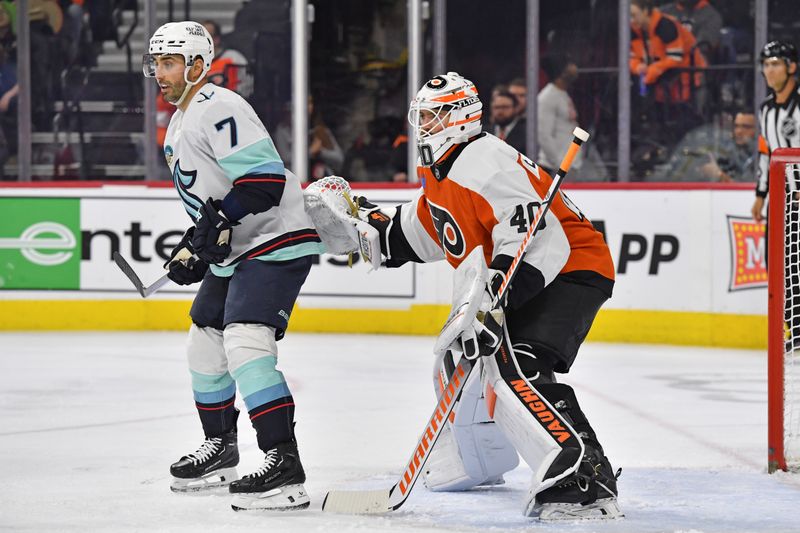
x=471, y=450
x=534, y=427
x=286, y=498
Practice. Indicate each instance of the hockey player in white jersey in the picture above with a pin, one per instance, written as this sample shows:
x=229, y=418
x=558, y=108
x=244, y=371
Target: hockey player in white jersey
x=476, y=202
x=251, y=244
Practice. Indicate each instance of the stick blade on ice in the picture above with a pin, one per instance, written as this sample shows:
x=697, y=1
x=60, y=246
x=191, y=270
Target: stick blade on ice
x=357, y=501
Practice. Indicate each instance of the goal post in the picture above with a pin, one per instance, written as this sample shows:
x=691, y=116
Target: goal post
x=783, y=312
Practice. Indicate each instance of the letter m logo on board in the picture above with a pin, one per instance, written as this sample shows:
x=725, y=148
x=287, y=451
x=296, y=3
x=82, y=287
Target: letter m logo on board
x=748, y=243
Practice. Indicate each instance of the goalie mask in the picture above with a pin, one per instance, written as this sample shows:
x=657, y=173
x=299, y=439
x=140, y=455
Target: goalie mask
x=187, y=39
x=445, y=112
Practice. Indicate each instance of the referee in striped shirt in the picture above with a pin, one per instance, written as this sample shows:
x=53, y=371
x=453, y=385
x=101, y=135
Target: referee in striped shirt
x=779, y=120
x=779, y=117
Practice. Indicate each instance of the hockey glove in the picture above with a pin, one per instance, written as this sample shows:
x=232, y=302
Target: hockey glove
x=483, y=338
x=184, y=267
x=211, y=240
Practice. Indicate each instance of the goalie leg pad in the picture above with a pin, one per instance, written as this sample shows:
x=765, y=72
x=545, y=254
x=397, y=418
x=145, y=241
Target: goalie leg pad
x=471, y=450
x=543, y=437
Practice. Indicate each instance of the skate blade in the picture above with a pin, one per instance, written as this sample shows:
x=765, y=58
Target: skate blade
x=605, y=509
x=212, y=480
x=287, y=498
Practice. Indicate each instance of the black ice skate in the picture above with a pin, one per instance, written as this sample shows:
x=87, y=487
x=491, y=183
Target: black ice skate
x=590, y=493
x=277, y=485
x=212, y=465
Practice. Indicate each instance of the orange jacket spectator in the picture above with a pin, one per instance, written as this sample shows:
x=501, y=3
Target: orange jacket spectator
x=665, y=44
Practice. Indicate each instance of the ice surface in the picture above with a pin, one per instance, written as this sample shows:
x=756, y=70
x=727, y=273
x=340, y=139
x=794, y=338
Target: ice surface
x=91, y=422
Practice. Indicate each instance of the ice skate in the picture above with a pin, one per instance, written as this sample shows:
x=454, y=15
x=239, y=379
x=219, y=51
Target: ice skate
x=589, y=494
x=211, y=466
x=276, y=486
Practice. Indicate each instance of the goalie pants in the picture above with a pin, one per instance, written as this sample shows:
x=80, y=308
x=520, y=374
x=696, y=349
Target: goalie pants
x=232, y=341
x=556, y=321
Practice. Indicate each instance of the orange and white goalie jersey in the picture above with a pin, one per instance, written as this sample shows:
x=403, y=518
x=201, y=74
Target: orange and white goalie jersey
x=486, y=193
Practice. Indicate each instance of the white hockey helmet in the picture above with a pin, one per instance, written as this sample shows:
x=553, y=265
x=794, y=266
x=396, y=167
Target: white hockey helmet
x=455, y=115
x=188, y=39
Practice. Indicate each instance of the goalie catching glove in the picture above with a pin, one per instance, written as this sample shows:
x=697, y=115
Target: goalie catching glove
x=474, y=327
x=340, y=221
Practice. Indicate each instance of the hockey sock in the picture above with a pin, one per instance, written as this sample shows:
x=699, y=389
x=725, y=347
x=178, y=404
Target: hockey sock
x=214, y=398
x=268, y=401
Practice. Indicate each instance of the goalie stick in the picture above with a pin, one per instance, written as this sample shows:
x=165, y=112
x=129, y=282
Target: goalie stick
x=386, y=500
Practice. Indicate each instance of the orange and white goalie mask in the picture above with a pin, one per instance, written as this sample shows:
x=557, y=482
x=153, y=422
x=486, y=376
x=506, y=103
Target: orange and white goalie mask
x=445, y=112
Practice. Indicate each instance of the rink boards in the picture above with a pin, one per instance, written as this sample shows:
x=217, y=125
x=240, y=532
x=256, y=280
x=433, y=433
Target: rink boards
x=690, y=266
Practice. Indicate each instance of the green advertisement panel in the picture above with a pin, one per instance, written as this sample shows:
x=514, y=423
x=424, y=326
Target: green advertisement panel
x=40, y=243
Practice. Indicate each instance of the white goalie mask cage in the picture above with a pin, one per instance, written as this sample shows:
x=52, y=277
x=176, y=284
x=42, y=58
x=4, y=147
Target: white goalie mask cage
x=446, y=111
x=188, y=39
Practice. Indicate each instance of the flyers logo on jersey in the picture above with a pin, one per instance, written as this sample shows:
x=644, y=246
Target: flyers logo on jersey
x=450, y=235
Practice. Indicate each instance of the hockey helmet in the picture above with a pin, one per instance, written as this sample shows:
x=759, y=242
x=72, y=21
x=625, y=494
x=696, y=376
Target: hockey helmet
x=780, y=49
x=188, y=39
x=445, y=111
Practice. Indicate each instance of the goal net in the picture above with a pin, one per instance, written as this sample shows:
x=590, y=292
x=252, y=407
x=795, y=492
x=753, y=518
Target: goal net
x=783, y=263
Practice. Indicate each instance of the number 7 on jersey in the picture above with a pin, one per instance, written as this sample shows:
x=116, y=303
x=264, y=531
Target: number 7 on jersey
x=228, y=121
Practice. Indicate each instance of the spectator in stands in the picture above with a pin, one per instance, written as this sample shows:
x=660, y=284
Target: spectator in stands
x=660, y=44
x=519, y=88
x=72, y=28
x=558, y=118
x=735, y=159
x=9, y=89
x=8, y=16
x=699, y=17
x=504, y=123
x=229, y=68
x=556, y=112
x=8, y=99
x=324, y=153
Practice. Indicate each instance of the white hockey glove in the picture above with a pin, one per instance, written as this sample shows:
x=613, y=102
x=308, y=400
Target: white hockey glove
x=473, y=327
x=483, y=338
x=338, y=221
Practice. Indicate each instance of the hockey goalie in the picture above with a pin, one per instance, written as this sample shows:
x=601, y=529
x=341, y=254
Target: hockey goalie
x=475, y=204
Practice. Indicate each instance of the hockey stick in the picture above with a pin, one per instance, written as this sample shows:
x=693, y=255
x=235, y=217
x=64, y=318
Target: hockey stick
x=183, y=255
x=386, y=500
x=127, y=269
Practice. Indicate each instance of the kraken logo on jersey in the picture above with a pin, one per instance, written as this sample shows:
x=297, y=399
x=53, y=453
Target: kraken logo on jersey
x=183, y=181
x=450, y=235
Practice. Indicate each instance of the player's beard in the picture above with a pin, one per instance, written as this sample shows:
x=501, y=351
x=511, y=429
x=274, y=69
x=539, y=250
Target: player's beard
x=174, y=92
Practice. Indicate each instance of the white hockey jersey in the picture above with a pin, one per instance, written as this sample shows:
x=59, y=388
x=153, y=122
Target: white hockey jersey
x=219, y=142
x=486, y=193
